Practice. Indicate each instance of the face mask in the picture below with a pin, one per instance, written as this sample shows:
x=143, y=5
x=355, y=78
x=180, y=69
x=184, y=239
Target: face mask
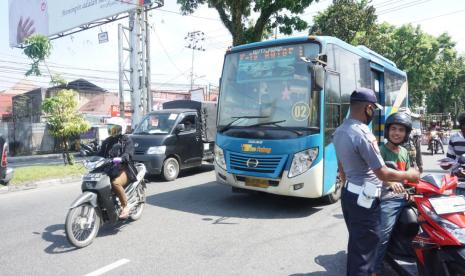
x=369, y=117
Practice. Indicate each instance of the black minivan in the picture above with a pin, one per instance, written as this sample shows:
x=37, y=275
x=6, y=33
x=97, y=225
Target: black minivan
x=178, y=137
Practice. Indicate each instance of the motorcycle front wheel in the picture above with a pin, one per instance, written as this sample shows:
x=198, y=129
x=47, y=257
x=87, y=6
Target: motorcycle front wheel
x=136, y=213
x=82, y=225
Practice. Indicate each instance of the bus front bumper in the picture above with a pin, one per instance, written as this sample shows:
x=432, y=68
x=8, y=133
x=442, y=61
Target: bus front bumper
x=308, y=184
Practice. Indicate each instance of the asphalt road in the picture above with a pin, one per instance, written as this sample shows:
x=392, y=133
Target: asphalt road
x=192, y=226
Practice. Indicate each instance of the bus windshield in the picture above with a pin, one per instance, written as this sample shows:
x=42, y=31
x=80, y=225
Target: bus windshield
x=269, y=85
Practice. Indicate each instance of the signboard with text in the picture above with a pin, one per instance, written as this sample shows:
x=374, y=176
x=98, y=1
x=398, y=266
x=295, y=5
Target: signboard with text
x=51, y=17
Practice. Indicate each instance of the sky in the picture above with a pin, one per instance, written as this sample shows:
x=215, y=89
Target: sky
x=81, y=56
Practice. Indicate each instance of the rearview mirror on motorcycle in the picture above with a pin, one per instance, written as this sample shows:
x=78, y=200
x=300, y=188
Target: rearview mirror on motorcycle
x=391, y=165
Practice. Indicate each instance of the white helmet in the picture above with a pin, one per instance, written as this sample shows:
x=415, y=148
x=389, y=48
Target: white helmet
x=119, y=122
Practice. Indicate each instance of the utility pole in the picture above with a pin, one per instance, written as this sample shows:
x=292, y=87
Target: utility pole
x=194, y=41
x=134, y=65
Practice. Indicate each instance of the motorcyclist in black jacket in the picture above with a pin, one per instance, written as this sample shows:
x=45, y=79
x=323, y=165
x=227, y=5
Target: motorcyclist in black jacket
x=120, y=148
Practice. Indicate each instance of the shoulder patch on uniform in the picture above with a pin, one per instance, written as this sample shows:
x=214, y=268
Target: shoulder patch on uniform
x=364, y=128
x=375, y=146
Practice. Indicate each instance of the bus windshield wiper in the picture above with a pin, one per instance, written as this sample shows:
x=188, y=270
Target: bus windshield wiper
x=236, y=118
x=275, y=123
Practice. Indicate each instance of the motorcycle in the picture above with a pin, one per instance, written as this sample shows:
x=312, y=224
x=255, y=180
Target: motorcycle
x=89, y=149
x=429, y=235
x=435, y=143
x=98, y=204
x=457, y=168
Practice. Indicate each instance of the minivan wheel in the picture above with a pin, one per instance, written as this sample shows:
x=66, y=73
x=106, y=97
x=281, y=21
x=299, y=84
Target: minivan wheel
x=170, y=169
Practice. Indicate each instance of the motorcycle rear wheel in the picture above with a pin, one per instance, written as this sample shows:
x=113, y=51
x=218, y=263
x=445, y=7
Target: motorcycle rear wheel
x=137, y=212
x=77, y=231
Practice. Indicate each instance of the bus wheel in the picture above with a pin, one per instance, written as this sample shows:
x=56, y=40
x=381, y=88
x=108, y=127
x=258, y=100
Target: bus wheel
x=334, y=196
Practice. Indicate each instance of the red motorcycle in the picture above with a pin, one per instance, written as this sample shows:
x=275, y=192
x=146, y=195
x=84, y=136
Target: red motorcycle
x=431, y=232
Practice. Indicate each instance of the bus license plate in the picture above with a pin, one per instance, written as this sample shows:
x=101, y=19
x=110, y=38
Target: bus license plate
x=256, y=182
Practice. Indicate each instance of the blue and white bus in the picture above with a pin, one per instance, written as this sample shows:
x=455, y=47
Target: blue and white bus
x=280, y=102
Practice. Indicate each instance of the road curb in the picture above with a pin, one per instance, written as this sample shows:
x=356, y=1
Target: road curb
x=41, y=183
x=54, y=156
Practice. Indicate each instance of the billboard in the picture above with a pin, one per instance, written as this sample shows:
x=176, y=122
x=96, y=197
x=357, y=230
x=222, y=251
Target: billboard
x=51, y=17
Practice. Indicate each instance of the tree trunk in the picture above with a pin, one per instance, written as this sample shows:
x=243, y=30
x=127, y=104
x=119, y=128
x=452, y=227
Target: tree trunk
x=66, y=149
x=63, y=154
x=66, y=156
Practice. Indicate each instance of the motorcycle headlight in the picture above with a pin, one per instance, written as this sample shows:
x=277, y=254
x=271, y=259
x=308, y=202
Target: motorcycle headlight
x=157, y=150
x=302, y=161
x=89, y=165
x=219, y=157
x=455, y=230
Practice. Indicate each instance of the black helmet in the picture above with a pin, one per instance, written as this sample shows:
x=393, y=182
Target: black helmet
x=461, y=119
x=399, y=118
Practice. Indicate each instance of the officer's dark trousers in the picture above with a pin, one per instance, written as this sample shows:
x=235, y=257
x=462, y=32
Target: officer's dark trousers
x=363, y=225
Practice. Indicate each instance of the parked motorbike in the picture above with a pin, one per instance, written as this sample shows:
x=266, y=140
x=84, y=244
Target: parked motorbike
x=89, y=149
x=430, y=234
x=435, y=143
x=457, y=168
x=98, y=204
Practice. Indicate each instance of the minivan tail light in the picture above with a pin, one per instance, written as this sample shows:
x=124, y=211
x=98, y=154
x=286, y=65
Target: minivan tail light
x=4, y=155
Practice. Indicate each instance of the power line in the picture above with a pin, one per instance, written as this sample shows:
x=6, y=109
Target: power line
x=437, y=16
x=387, y=3
x=166, y=52
x=402, y=7
x=190, y=15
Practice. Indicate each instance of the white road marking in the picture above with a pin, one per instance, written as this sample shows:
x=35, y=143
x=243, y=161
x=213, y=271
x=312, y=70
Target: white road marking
x=109, y=267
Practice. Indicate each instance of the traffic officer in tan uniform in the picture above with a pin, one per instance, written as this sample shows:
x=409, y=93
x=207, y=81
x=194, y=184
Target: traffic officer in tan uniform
x=363, y=172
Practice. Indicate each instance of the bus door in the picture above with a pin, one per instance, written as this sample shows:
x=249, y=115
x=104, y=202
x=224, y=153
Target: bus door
x=377, y=73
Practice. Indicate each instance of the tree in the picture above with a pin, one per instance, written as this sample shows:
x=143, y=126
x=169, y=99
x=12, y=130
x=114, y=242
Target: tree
x=349, y=20
x=235, y=15
x=63, y=119
x=414, y=51
x=37, y=47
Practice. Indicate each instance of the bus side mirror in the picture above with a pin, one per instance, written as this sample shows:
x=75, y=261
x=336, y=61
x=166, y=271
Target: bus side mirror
x=318, y=76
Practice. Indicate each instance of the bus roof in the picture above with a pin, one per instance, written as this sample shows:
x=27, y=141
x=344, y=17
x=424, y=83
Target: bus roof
x=360, y=50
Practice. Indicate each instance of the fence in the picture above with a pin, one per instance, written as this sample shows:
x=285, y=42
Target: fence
x=26, y=138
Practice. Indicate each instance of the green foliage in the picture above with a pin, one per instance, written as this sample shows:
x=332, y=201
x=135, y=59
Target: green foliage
x=436, y=73
x=37, y=47
x=349, y=20
x=64, y=119
x=58, y=79
x=36, y=173
x=236, y=14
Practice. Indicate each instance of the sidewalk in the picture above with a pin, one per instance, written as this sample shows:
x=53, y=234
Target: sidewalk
x=35, y=158
x=40, y=183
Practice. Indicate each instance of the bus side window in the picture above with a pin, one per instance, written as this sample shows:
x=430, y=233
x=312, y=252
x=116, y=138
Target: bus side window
x=332, y=105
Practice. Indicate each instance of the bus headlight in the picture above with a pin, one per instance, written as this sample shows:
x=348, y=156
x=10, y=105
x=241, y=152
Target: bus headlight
x=219, y=157
x=302, y=161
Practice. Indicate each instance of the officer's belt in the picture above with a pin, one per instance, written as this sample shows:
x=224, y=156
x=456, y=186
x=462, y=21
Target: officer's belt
x=353, y=188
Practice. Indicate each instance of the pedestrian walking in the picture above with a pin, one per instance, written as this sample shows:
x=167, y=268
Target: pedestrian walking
x=363, y=171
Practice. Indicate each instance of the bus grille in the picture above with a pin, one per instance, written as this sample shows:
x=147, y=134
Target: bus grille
x=257, y=165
